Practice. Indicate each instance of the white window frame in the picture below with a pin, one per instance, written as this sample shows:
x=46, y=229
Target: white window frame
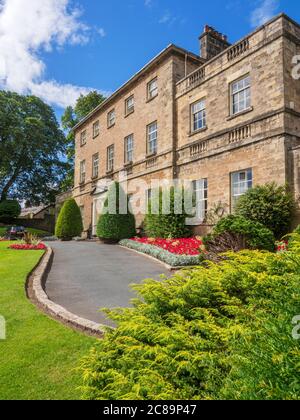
x=111, y=118
x=129, y=148
x=129, y=108
x=152, y=88
x=82, y=171
x=152, y=137
x=95, y=165
x=240, y=95
x=200, y=189
x=241, y=182
x=198, y=116
x=110, y=158
x=96, y=129
x=81, y=208
x=83, y=136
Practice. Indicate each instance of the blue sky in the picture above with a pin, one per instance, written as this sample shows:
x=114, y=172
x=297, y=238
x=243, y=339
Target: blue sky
x=72, y=46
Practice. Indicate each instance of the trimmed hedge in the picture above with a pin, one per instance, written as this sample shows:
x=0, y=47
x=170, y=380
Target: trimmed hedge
x=69, y=221
x=269, y=204
x=256, y=235
x=114, y=227
x=167, y=226
x=162, y=255
x=9, y=210
x=204, y=334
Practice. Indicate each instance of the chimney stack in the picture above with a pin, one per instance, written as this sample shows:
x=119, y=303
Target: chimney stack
x=212, y=43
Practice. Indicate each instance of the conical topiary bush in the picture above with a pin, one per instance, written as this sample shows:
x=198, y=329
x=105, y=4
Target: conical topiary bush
x=69, y=222
x=113, y=226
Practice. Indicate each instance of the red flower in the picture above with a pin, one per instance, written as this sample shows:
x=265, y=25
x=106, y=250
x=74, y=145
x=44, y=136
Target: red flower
x=182, y=246
x=24, y=247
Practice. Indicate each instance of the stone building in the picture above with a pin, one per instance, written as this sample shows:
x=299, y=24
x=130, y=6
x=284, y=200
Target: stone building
x=226, y=120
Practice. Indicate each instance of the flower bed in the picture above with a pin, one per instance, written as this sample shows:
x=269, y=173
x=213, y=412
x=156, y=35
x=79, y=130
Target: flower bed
x=189, y=252
x=183, y=246
x=25, y=247
x=282, y=246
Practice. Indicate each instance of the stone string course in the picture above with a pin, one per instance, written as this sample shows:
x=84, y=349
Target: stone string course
x=37, y=281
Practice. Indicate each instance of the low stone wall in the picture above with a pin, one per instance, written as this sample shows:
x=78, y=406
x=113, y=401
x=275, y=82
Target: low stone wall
x=47, y=224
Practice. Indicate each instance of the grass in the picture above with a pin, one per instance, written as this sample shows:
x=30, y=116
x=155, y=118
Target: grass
x=38, y=358
x=36, y=232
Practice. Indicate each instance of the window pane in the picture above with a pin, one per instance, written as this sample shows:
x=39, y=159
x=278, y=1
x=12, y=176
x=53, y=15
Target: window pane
x=152, y=138
x=241, y=183
x=201, y=195
x=241, y=95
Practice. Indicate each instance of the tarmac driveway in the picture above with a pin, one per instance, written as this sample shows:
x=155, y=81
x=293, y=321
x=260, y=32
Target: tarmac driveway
x=87, y=276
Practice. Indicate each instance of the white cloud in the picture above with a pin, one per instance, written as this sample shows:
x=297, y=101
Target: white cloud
x=101, y=32
x=26, y=29
x=264, y=11
x=167, y=18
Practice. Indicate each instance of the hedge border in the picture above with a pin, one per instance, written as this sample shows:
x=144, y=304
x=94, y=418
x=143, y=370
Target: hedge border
x=172, y=260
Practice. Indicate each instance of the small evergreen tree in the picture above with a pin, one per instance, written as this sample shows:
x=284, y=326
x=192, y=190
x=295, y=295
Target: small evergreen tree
x=169, y=222
x=114, y=226
x=270, y=205
x=9, y=210
x=69, y=222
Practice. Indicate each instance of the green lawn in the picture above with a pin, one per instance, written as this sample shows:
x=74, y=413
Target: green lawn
x=38, y=358
x=36, y=232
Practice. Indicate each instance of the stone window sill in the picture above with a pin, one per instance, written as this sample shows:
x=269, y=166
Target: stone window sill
x=201, y=130
x=127, y=114
x=111, y=126
x=239, y=114
x=151, y=99
x=151, y=155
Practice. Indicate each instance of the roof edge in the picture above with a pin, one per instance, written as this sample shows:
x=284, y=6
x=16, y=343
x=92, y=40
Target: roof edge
x=170, y=48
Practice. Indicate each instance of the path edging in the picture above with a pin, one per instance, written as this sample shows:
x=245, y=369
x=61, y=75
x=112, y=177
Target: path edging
x=38, y=279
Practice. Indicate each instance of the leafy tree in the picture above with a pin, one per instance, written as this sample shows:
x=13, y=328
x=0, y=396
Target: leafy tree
x=170, y=222
x=270, y=205
x=71, y=117
x=9, y=210
x=31, y=148
x=112, y=225
x=69, y=221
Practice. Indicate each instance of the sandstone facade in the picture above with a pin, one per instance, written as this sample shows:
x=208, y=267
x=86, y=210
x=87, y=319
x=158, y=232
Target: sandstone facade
x=261, y=142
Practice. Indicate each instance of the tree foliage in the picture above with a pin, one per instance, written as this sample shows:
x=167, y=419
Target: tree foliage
x=112, y=225
x=69, y=221
x=9, y=210
x=71, y=117
x=270, y=205
x=254, y=235
x=170, y=221
x=222, y=332
x=31, y=148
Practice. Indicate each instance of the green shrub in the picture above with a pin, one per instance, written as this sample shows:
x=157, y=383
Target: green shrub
x=171, y=225
x=256, y=235
x=222, y=332
x=113, y=226
x=69, y=222
x=165, y=256
x=270, y=205
x=9, y=210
